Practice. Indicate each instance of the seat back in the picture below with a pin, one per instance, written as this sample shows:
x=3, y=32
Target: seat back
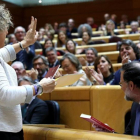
x=114, y=39
x=54, y=112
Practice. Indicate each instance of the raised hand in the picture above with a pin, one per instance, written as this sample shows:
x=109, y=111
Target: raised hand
x=125, y=58
x=31, y=35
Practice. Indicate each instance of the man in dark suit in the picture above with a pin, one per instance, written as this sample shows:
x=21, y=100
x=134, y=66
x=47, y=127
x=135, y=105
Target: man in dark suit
x=25, y=56
x=36, y=112
x=52, y=57
x=130, y=84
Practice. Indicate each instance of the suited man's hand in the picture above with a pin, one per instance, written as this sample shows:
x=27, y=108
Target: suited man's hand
x=47, y=84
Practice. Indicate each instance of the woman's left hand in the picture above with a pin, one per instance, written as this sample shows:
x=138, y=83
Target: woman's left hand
x=31, y=35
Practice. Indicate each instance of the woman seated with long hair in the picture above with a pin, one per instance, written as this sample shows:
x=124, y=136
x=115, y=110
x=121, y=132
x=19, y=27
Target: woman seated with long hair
x=86, y=38
x=61, y=39
x=103, y=68
x=71, y=46
x=109, y=29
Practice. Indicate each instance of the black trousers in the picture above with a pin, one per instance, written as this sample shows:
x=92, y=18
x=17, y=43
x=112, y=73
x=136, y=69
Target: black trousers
x=11, y=136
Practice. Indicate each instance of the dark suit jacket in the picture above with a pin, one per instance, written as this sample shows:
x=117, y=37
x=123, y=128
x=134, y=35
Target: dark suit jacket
x=57, y=63
x=37, y=112
x=130, y=127
x=26, y=58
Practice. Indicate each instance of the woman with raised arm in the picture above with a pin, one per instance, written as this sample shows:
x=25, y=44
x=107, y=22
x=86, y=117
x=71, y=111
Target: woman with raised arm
x=10, y=94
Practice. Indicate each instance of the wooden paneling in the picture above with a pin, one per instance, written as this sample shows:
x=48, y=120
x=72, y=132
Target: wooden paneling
x=61, y=13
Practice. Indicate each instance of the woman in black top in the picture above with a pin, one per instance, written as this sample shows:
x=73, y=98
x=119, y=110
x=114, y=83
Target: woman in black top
x=105, y=66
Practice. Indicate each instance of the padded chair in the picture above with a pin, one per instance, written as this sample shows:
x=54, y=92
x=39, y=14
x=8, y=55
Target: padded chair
x=99, y=42
x=114, y=39
x=54, y=112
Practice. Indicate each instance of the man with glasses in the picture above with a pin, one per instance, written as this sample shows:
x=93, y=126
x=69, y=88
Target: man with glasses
x=40, y=64
x=25, y=56
x=52, y=57
x=19, y=68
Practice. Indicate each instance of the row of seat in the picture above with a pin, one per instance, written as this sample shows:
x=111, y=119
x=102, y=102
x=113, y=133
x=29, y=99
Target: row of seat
x=106, y=38
x=44, y=133
x=99, y=47
x=105, y=103
x=94, y=32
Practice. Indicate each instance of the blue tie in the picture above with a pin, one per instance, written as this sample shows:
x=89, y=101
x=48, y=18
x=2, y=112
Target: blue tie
x=137, y=121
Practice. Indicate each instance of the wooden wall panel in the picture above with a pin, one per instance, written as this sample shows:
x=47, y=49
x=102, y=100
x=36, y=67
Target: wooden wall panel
x=77, y=11
x=17, y=14
x=80, y=11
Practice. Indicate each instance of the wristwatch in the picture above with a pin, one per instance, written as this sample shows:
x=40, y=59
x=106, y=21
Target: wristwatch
x=38, y=89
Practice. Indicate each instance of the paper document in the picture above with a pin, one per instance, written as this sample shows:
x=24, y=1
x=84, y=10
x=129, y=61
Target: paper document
x=68, y=79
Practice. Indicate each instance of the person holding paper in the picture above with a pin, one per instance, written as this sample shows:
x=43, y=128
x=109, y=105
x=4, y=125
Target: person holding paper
x=10, y=94
x=130, y=84
x=71, y=65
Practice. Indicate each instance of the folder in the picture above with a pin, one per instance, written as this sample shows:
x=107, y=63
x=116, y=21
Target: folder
x=67, y=79
x=52, y=72
x=97, y=122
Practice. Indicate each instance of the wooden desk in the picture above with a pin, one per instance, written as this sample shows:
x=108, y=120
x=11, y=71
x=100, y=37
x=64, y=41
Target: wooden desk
x=105, y=103
x=42, y=133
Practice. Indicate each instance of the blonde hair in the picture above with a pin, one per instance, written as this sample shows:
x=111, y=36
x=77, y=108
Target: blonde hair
x=5, y=18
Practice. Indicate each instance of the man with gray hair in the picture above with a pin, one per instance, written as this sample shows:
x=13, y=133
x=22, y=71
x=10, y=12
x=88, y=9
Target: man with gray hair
x=52, y=57
x=25, y=56
x=134, y=27
x=91, y=55
x=19, y=68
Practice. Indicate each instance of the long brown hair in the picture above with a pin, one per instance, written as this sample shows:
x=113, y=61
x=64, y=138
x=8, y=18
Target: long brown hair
x=107, y=59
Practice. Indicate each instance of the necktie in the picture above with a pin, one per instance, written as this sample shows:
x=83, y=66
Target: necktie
x=88, y=64
x=137, y=121
x=24, y=110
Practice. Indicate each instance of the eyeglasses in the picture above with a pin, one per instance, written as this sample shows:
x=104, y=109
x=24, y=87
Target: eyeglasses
x=22, y=32
x=18, y=69
x=66, y=66
x=39, y=64
x=120, y=83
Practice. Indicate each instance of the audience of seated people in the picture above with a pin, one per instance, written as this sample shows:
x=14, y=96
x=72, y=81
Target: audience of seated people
x=36, y=112
x=128, y=52
x=51, y=54
x=71, y=65
x=84, y=31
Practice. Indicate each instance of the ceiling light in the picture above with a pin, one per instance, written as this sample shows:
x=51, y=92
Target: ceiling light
x=40, y=1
